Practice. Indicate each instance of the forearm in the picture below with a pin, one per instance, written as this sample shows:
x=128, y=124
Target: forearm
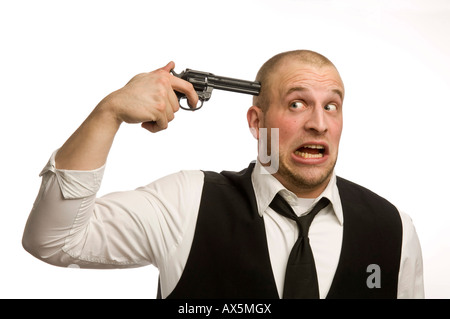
x=89, y=145
x=148, y=98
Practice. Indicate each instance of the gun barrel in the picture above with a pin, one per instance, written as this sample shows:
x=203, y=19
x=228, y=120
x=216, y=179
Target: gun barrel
x=234, y=85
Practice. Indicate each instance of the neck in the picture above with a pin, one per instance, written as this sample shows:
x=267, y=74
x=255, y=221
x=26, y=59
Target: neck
x=301, y=189
x=295, y=184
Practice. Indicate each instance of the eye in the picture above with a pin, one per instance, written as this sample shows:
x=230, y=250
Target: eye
x=297, y=105
x=330, y=107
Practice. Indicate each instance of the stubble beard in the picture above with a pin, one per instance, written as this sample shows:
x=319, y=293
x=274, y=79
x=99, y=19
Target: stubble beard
x=304, y=179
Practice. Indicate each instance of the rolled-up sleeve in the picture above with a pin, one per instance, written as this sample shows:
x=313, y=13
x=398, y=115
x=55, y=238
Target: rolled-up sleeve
x=68, y=224
x=74, y=184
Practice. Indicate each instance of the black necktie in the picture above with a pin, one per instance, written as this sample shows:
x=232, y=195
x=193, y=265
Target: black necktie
x=301, y=278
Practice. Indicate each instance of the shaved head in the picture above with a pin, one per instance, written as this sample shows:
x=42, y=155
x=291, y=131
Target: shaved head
x=268, y=69
x=302, y=99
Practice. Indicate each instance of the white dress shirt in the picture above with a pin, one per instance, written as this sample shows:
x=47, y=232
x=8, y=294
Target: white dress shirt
x=155, y=224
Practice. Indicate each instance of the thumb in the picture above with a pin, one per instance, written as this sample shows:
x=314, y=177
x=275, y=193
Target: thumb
x=170, y=66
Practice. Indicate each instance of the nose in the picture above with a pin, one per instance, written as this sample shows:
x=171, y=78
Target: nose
x=316, y=121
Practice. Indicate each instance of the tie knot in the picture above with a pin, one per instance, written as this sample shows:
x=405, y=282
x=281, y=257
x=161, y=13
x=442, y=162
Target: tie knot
x=305, y=221
x=283, y=208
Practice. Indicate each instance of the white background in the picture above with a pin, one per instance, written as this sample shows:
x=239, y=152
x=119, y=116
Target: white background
x=60, y=58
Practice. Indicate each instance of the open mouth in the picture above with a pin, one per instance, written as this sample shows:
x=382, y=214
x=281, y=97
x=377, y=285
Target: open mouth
x=310, y=151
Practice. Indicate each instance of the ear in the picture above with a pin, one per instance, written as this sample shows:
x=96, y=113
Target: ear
x=255, y=120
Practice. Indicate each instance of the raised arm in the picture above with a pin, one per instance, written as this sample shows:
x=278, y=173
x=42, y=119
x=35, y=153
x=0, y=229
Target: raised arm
x=69, y=224
x=148, y=98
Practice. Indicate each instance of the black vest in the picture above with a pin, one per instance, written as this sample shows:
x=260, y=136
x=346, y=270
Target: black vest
x=229, y=257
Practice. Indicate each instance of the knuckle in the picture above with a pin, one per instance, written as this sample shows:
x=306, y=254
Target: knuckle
x=160, y=105
x=160, y=76
x=164, y=81
x=159, y=71
x=162, y=92
x=190, y=86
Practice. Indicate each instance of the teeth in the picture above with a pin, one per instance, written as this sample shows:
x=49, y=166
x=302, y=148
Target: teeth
x=308, y=155
x=320, y=147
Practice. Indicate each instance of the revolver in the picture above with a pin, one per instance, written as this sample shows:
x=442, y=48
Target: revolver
x=205, y=82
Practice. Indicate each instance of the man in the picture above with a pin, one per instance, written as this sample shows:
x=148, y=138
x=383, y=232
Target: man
x=218, y=235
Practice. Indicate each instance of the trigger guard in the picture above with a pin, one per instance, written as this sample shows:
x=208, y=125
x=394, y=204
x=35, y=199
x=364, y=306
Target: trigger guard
x=190, y=108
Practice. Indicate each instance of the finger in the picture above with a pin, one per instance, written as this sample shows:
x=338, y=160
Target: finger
x=169, y=67
x=187, y=89
x=156, y=126
x=150, y=126
x=169, y=113
x=174, y=101
x=165, y=115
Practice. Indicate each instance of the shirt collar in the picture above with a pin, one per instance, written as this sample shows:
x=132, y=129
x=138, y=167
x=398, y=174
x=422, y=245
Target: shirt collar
x=266, y=187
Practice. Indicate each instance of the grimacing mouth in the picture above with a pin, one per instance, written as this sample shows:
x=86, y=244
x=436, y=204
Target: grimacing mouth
x=311, y=151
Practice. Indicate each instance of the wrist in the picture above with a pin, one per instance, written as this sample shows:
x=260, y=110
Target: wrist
x=107, y=111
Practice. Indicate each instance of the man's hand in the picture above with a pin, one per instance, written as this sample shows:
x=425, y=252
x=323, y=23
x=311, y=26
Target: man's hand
x=149, y=98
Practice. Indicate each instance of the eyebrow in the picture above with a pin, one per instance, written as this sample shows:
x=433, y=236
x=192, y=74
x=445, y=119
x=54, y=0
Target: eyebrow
x=301, y=88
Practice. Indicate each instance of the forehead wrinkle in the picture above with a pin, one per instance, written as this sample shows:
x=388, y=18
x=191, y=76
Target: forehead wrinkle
x=305, y=89
x=305, y=82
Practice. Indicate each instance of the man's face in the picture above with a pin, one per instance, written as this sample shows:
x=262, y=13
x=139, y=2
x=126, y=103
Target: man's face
x=306, y=105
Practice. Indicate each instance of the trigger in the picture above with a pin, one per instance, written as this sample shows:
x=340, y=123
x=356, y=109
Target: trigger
x=187, y=107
